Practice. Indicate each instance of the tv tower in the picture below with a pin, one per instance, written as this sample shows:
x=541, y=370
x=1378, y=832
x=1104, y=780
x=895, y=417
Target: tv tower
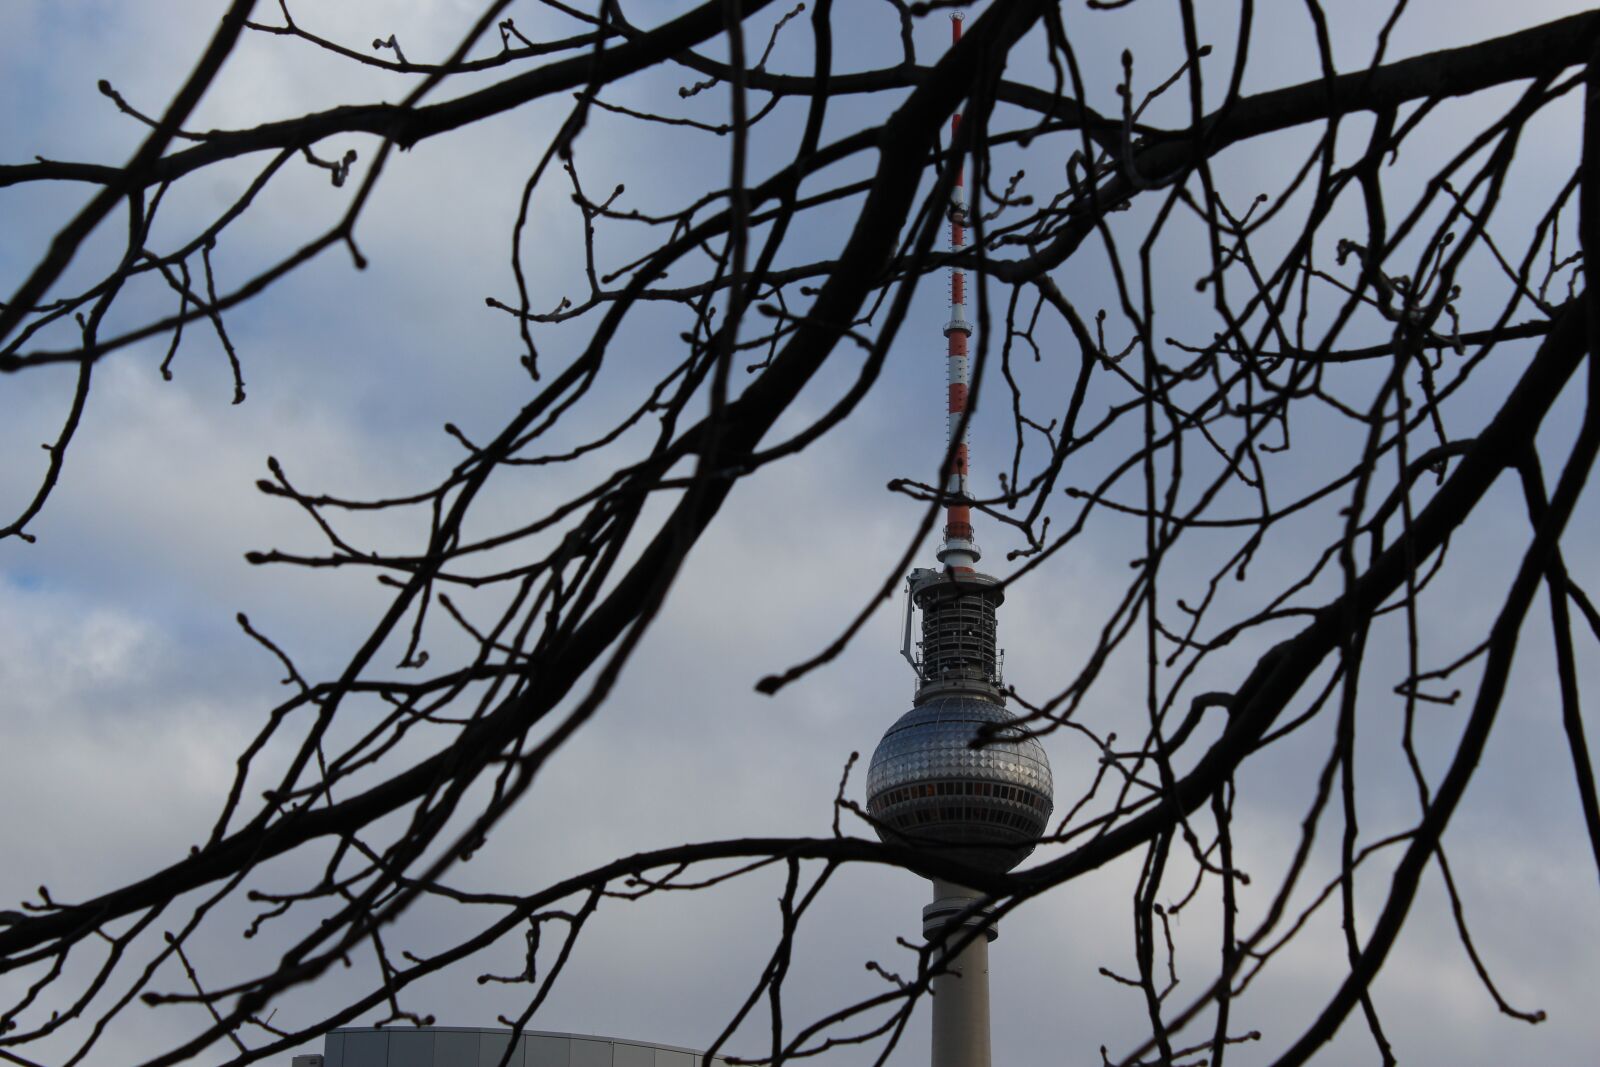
x=929, y=784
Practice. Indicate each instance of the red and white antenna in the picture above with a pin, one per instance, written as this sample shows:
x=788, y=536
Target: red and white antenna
x=959, y=551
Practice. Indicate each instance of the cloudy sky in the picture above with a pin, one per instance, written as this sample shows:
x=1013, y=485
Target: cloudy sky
x=126, y=688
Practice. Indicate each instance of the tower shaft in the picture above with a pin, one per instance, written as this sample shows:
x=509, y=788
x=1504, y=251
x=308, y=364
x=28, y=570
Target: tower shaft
x=961, y=994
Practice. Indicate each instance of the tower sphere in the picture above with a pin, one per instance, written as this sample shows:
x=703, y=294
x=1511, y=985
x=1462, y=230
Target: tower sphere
x=927, y=785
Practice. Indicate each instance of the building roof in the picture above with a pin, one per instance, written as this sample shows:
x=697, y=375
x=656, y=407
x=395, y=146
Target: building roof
x=467, y=1046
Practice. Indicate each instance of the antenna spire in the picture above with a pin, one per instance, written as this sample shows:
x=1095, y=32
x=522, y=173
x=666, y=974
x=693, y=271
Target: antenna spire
x=959, y=551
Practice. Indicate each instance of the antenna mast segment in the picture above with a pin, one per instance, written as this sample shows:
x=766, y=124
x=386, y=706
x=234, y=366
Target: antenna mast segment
x=959, y=551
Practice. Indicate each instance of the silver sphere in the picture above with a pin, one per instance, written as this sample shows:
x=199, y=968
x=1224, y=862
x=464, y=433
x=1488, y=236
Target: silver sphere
x=928, y=786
